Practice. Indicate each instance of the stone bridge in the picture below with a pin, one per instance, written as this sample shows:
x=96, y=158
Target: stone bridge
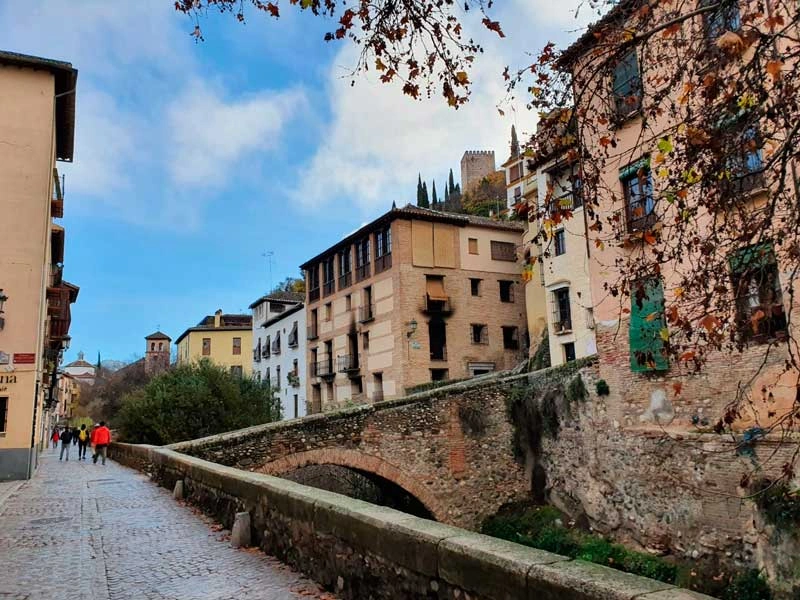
x=450, y=448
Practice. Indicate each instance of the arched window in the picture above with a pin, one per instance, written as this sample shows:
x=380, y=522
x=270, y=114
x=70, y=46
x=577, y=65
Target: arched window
x=152, y=345
x=160, y=345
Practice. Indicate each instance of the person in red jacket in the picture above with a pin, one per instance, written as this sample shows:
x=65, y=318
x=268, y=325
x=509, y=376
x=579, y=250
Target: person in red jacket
x=101, y=438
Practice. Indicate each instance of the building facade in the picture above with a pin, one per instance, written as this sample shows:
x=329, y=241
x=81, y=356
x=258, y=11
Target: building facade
x=221, y=338
x=557, y=250
x=279, y=348
x=82, y=370
x=415, y=296
x=37, y=108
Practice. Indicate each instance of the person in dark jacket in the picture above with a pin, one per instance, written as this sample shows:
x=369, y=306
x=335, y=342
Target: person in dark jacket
x=83, y=438
x=66, y=442
x=74, y=436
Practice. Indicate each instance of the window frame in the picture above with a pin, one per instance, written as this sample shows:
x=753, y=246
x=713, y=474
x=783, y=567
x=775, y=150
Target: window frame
x=560, y=242
x=508, y=285
x=562, y=310
x=512, y=342
x=475, y=286
x=745, y=264
x=639, y=172
x=622, y=90
x=206, y=347
x=236, y=348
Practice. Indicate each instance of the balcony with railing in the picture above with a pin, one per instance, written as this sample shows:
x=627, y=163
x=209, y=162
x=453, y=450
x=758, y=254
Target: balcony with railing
x=57, y=202
x=436, y=306
x=328, y=287
x=366, y=313
x=345, y=280
x=348, y=364
x=313, y=294
x=292, y=340
x=276, y=346
x=313, y=332
x=363, y=272
x=322, y=368
x=383, y=263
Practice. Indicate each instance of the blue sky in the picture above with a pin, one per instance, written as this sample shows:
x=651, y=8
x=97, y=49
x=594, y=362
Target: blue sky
x=192, y=160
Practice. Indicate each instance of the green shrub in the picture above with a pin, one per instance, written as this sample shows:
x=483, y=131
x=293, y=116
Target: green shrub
x=749, y=585
x=601, y=387
x=779, y=504
x=193, y=401
x=559, y=540
x=576, y=390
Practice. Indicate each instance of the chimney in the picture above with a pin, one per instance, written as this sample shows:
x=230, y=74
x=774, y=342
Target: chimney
x=218, y=318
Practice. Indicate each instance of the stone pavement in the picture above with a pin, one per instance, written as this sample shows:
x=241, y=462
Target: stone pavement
x=92, y=532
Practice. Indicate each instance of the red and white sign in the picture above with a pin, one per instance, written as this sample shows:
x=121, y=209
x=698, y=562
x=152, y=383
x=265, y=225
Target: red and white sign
x=25, y=358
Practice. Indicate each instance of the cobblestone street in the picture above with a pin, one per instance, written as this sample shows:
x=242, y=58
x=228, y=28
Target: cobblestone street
x=84, y=531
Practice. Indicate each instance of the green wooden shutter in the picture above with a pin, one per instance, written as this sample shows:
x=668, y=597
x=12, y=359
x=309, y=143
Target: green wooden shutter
x=646, y=343
x=752, y=257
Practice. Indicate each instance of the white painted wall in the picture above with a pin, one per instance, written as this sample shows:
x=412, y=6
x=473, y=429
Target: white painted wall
x=267, y=367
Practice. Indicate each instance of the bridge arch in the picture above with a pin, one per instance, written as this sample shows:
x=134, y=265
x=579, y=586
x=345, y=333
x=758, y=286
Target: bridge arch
x=358, y=461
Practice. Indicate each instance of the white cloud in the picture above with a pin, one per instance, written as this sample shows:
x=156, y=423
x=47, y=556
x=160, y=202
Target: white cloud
x=379, y=140
x=208, y=134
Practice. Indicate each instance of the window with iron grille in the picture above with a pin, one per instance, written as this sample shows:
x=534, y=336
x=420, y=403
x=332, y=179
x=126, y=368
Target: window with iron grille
x=637, y=187
x=627, y=85
x=760, y=314
x=506, y=251
x=480, y=333
x=237, y=345
x=236, y=371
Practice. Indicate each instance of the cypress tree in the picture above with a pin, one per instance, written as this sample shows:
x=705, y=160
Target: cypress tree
x=424, y=198
x=434, y=198
x=446, y=193
x=419, y=190
x=514, y=143
x=451, y=183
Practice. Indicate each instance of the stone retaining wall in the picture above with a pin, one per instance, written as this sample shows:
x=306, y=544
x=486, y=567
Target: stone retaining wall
x=360, y=550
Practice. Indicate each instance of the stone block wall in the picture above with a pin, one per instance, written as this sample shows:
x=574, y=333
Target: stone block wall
x=360, y=550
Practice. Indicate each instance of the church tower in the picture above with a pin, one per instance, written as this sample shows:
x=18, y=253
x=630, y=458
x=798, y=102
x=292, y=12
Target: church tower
x=156, y=358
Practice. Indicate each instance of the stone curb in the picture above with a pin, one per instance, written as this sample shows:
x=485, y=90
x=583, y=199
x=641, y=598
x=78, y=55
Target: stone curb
x=484, y=566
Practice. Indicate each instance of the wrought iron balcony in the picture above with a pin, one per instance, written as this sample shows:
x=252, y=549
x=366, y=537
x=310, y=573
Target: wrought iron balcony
x=313, y=332
x=366, y=313
x=348, y=363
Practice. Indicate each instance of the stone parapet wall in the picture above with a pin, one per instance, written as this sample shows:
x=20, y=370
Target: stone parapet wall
x=360, y=550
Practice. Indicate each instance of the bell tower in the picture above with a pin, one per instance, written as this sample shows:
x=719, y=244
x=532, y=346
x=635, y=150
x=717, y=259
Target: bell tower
x=156, y=356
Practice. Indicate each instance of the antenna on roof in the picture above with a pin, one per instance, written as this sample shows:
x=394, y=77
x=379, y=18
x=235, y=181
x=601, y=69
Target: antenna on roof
x=394, y=205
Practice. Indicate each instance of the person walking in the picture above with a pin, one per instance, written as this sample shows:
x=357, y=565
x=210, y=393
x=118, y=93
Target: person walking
x=74, y=436
x=54, y=437
x=101, y=438
x=83, y=441
x=66, y=442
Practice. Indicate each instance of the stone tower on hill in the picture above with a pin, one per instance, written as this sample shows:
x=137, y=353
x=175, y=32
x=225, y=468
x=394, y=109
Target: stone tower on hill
x=156, y=358
x=475, y=165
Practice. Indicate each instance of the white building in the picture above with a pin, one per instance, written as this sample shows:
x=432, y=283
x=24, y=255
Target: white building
x=81, y=370
x=540, y=180
x=279, y=348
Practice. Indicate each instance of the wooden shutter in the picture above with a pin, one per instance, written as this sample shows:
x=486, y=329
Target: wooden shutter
x=646, y=324
x=422, y=243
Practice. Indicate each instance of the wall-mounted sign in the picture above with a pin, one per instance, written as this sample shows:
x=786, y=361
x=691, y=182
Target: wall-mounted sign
x=24, y=358
x=4, y=358
x=415, y=345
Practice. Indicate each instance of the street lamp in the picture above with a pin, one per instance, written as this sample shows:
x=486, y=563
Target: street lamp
x=65, y=342
x=412, y=327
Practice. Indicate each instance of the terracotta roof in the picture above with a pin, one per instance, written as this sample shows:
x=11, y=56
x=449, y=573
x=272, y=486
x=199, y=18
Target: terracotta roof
x=229, y=322
x=158, y=335
x=79, y=363
x=66, y=79
x=409, y=211
x=282, y=297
